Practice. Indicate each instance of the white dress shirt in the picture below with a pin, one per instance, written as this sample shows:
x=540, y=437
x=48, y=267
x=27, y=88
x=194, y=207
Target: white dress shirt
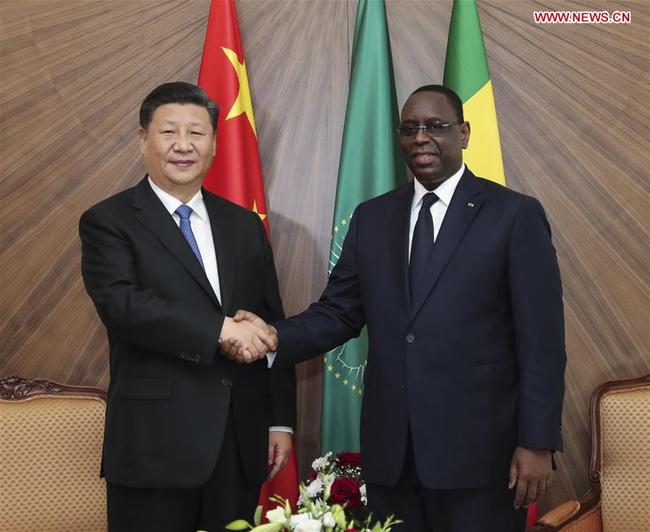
x=202, y=230
x=444, y=191
x=200, y=222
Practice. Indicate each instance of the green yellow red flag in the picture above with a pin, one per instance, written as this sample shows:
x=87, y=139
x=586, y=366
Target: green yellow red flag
x=466, y=72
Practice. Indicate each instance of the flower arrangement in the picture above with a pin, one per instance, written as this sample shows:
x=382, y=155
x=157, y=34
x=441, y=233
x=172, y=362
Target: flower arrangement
x=338, y=481
x=332, y=500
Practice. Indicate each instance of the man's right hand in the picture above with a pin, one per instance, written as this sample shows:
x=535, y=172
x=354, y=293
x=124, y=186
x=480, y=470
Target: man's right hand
x=244, y=341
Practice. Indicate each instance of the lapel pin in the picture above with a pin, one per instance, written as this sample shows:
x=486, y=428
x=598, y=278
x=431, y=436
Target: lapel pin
x=470, y=204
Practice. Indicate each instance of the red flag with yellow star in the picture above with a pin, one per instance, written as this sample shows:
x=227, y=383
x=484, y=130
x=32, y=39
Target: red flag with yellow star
x=236, y=172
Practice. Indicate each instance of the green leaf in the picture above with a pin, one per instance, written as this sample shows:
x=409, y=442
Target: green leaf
x=269, y=527
x=257, y=518
x=239, y=524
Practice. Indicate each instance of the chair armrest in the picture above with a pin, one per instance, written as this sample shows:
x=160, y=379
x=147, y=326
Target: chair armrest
x=555, y=518
x=563, y=516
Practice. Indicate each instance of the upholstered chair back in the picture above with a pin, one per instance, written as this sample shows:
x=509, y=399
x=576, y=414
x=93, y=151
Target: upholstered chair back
x=624, y=454
x=50, y=454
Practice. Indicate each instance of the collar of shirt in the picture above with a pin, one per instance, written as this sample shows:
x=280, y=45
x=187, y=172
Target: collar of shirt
x=171, y=203
x=444, y=191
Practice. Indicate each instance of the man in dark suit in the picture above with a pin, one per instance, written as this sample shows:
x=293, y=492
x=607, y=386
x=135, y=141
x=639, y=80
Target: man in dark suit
x=458, y=283
x=165, y=262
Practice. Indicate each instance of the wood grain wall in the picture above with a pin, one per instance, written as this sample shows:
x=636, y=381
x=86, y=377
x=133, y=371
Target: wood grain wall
x=572, y=102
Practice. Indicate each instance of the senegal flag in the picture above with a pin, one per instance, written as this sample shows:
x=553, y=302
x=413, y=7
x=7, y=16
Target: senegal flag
x=466, y=72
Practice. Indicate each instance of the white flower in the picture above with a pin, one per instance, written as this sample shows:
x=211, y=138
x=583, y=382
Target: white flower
x=298, y=519
x=321, y=462
x=328, y=479
x=328, y=520
x=314, y=488
x=312, y=525
x=364, y=497
x=276, y=515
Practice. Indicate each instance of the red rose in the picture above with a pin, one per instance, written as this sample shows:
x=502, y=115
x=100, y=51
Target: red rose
x=345, y=490
x=348, y=459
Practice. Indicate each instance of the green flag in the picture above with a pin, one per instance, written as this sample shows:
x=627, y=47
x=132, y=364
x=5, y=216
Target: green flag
x=370, y=165
x=466, y=72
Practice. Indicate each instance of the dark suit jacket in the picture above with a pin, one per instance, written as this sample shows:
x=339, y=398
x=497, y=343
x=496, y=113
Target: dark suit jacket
x=475, y=364
x=171, y=391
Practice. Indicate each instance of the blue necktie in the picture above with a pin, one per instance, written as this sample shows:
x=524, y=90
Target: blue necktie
x=422, y=244
x=184, y=212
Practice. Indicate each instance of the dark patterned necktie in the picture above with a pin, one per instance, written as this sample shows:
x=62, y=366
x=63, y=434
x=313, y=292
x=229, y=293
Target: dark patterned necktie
x=422, y=243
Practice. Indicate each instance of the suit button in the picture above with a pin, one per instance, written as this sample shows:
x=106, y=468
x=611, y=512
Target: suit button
x=226, y=382
x=402, y=386
x=410, y=338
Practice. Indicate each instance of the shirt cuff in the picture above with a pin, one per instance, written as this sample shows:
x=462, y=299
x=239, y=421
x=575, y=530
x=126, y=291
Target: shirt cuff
x=270, y=357
x=281, y=429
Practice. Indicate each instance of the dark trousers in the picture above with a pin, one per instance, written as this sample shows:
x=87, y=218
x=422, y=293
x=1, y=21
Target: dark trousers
x=486, y=509
x=226, y=496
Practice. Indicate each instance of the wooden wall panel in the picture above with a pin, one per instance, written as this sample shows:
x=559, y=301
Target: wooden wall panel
x=573, y=115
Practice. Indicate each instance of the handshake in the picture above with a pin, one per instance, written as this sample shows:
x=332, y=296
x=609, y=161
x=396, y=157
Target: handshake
x=246, y=337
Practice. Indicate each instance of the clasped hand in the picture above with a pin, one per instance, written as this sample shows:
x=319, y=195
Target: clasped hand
x=246, y=337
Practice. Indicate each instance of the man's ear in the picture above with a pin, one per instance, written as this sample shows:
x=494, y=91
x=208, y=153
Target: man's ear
x=465, y=131
x=142, y=135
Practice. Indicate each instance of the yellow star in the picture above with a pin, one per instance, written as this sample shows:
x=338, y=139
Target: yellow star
x=343, y=222
x=337, y=375
x=262, y=216
x=243, y=104
x=330, y=367
x=336, y=229
x=345, y=381
x=354, y=386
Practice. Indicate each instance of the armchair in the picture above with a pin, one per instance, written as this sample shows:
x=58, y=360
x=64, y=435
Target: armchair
x=619, y=472
x=50, y=454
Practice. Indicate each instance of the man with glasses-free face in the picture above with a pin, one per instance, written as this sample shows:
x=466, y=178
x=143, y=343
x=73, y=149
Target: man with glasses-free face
x=457, y=281
x=190, y=436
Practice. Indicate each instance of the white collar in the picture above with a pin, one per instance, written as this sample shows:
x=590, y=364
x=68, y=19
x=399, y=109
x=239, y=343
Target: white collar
x=171, y=203
x=444, y=190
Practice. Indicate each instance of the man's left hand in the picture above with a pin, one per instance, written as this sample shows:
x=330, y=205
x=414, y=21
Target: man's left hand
x=280, y=444
x=530, y=472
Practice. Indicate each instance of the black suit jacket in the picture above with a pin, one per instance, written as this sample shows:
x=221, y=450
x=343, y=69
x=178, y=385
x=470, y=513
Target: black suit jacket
x=474, y=364
x=170, y=390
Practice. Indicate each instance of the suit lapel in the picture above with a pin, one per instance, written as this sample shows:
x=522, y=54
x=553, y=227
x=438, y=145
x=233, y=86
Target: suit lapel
x=465, y=204
x=223, y=235
x=153, y=215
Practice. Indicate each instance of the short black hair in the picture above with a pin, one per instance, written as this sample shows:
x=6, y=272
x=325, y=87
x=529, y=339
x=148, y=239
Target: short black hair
x=177, y=92
x=453, y=98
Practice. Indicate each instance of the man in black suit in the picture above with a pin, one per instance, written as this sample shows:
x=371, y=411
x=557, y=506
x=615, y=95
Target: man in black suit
x=165, y=262
x=458, y=283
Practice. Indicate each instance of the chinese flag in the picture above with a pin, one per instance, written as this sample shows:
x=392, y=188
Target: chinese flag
x=236, y=173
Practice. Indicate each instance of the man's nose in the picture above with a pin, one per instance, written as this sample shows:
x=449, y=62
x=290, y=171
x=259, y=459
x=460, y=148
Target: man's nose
x=183, y=143
x=421, y=137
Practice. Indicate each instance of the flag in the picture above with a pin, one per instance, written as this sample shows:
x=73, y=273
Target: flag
x=370, y=164
x=466, y=72
x=236, y=172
